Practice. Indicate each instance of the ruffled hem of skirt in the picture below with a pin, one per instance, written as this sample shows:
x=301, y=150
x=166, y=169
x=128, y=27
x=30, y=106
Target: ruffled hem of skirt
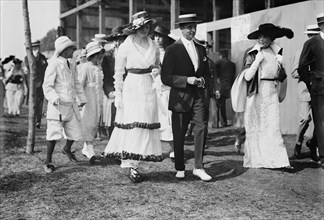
x=133, y=125
x=132, y=156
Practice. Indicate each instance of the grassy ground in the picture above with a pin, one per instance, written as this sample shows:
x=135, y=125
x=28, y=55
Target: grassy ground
x=103, y=191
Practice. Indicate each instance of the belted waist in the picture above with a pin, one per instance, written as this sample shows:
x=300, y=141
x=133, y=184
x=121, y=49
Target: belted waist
x=66, y=103
x=140, y=71
x=268, y=79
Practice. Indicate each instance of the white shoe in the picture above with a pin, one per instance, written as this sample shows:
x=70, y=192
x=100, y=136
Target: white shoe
x=201, y=174
x=180, y=174
x=171, y=155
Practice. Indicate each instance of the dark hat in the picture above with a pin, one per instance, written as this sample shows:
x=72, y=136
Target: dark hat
x=36, y=43
x=8, y=59
x=161, y=30
x=117, y=32
x=320, y=18
x=17, y=61
x=271, y=30
x=139, y=20
x=187, y=18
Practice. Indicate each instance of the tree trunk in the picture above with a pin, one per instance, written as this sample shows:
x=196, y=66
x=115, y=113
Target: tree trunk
x=31, y=60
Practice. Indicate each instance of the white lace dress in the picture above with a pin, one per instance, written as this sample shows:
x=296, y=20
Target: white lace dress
x=136, y=134
x=264, y=146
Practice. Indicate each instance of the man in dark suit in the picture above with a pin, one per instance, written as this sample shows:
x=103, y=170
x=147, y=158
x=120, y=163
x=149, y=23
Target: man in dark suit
x=185, y=70
x=224, y=79
x=311, y=71
x=41, y=65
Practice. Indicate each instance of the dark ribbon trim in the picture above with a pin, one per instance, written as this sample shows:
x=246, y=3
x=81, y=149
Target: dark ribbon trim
x=138, y=125
x=132, y=156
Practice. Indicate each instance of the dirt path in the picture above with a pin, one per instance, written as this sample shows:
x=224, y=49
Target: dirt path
x=103, y=191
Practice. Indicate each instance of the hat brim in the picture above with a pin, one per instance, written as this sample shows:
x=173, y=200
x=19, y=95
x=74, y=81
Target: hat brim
x=274, y=32
x=311, y=32
x=116, y=36
x=99, y=40
x=98, y=50
x=188, y=22
x=169, y=38
x=132, y=30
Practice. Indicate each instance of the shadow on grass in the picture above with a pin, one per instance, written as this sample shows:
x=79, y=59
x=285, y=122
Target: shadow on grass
x=218, y=171
x=301, y=165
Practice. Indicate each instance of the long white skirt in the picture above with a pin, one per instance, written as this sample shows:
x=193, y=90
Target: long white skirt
x=264, y=145
x=136, y=134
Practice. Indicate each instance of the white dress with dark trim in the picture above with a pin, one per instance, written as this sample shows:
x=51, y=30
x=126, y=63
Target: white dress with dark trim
x=136, y=134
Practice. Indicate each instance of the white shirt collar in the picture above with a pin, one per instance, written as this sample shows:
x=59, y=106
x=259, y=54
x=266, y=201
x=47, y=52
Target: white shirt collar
x=185, y=41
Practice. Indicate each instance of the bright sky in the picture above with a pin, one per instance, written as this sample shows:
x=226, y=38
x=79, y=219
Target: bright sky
x=43, y=16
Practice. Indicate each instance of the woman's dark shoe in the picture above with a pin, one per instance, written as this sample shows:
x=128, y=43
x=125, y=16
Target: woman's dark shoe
x=312, y=148
x=134, y=175
x=297, y=151
x=49, y=168
x=288, y=169
x=70, y=155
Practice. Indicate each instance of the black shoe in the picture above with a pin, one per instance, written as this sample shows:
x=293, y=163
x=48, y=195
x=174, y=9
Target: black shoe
x=288, y=169
x=321, y=162
x=312, y=149
x=92, y=160
x=297, y=151
x=134, y=175
x=70, y=155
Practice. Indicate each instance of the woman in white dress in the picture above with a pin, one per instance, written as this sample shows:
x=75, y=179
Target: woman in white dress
x=264, y=147
x=16, y=87
x=136, y=135
x=91, y=79
x=161, y=37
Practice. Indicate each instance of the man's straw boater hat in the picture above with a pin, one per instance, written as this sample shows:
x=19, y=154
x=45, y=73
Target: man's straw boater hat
x=187, y=18
x=101, y=38
x=271, y=30
x=139, y=20
x=312, y=29
x=320, y=18
x=36, y=43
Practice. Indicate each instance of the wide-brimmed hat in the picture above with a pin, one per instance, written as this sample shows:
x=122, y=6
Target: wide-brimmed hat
x=36, y=43
x=101, y=38
x=8, y=59
x=271, y=30
x=139, y=20
x=312, y=29
x=61, y=43
x=320, y=18
x=161, y=30
x=187, y=18
x=117, y=32
x=93, y=48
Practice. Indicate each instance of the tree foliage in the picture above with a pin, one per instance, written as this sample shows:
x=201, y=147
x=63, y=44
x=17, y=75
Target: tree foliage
x=47, y=42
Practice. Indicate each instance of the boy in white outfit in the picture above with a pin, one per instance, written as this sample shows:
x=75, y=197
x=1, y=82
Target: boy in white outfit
x=61, y=89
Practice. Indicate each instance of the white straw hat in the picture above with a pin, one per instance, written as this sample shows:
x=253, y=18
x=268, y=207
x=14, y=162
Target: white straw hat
x=312, y=29
x=93, y=48
x=100, y=38
x=61, y=43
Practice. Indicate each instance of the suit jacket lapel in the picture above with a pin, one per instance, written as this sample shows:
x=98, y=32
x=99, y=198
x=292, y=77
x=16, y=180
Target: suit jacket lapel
x=199, y=54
